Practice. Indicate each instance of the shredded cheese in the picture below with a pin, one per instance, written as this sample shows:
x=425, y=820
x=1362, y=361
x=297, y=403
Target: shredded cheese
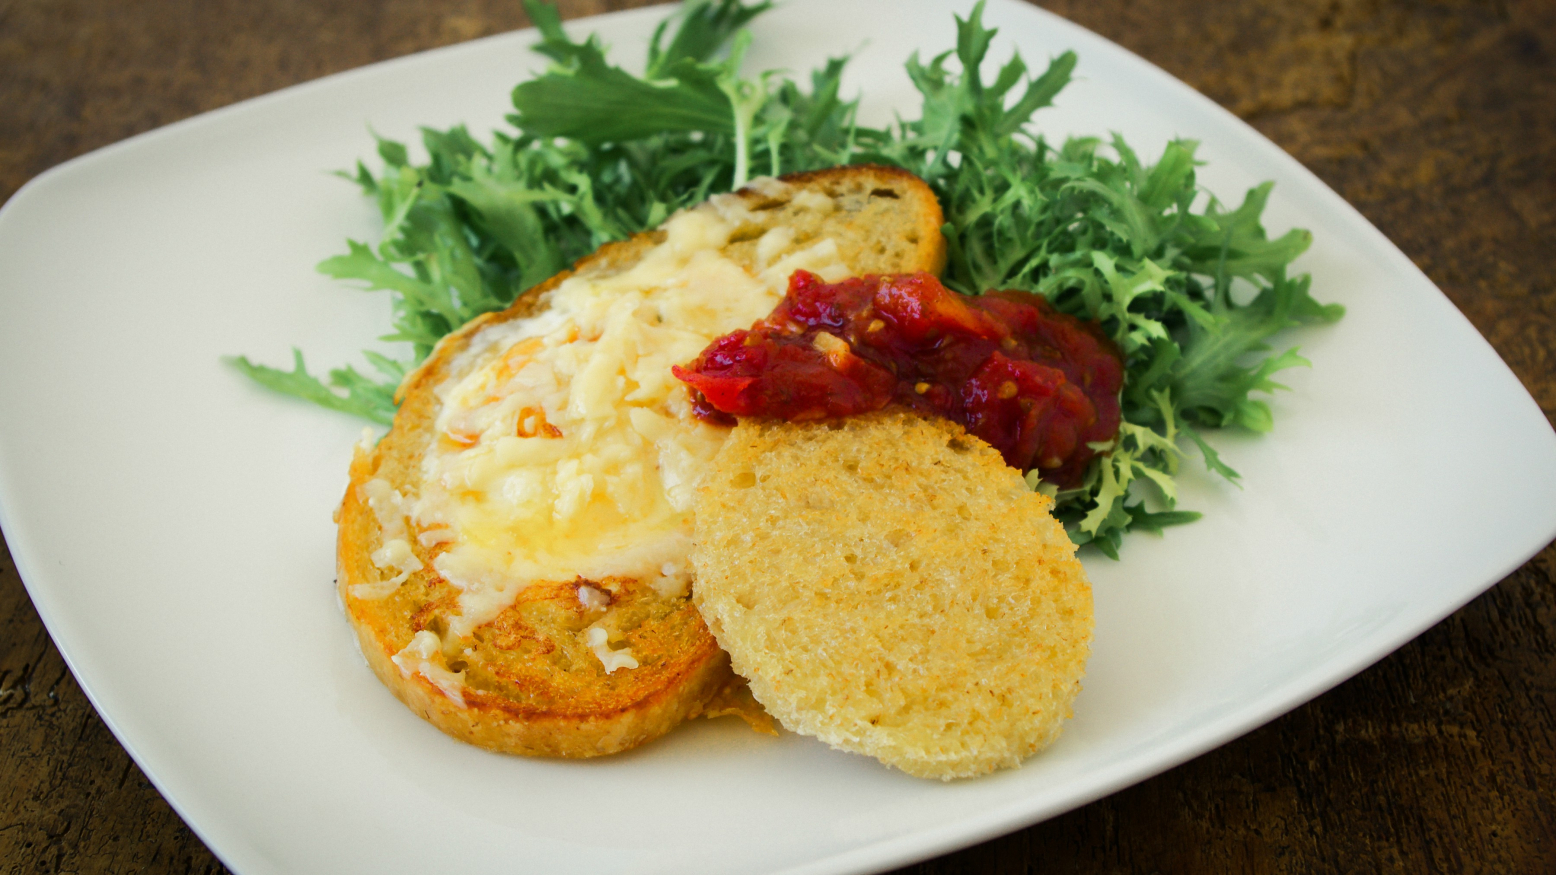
x=599, y=642
x=565, y=447
x=395, y=554
x=417, y=658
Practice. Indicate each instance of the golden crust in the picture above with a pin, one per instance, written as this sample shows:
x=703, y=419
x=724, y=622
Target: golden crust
x=888, y=585
x=531, y=686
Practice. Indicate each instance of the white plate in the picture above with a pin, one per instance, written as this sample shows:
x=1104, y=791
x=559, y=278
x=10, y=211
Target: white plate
x=172, y=521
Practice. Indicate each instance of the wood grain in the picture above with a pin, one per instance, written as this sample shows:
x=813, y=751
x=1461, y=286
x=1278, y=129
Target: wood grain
x=1436, y=119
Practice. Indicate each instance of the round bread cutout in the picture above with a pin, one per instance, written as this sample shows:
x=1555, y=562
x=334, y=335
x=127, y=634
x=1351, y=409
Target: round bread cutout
x=888, y=585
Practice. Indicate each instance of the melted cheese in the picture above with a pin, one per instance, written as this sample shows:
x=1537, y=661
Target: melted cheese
x=388, y=506
x=598, y=639
x=571, y=450
x=418, y=657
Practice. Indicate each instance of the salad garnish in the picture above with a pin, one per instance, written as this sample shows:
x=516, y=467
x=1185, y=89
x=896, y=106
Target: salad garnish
x=597, y=154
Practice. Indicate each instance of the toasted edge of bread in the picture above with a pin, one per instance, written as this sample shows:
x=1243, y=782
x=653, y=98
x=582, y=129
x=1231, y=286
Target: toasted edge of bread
x=589, y=715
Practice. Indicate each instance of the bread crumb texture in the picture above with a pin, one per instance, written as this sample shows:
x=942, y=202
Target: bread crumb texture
x=888, y=585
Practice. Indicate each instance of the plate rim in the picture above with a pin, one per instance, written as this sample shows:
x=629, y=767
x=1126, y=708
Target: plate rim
x=879, y=853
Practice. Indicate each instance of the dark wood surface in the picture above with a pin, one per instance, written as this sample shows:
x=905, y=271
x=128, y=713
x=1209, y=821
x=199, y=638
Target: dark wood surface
x=1436, y=119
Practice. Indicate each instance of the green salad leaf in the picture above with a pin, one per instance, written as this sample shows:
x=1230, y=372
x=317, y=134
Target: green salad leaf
x=1189, y=290
x=584, y=98
x=371, y=400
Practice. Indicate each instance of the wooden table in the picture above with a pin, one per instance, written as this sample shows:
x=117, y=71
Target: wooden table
x=1436, y=119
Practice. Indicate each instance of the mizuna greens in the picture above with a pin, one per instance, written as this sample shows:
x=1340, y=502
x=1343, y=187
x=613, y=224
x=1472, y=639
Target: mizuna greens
x=597, y=154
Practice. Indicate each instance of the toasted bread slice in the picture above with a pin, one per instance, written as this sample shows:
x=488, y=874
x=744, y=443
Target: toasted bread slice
x=888, y=585
x=525, y=671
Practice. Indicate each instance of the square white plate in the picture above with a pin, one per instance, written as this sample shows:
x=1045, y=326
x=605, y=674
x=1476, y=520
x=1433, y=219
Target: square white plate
x=172, y=521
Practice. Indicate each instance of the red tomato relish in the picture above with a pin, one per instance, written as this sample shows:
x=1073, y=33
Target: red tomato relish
x=1036, y=384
